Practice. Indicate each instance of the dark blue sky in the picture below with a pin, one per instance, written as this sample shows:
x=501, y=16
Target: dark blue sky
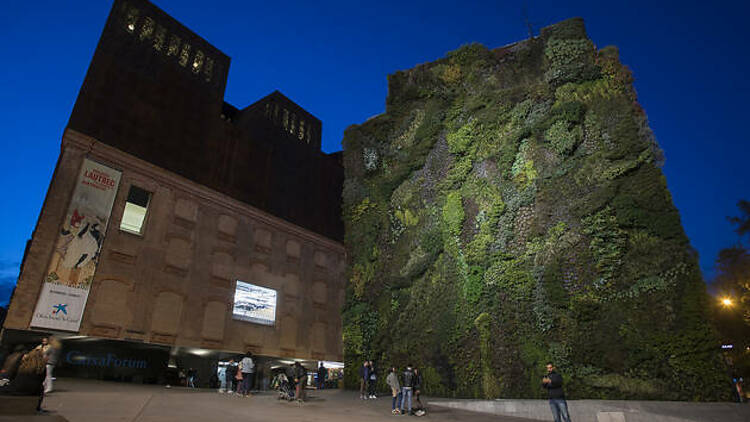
x=689, y=61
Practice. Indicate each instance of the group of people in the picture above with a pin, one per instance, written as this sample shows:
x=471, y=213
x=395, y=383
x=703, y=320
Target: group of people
x=30, y=372
x=403, y=388
x=406, y=388
x=290, y=383
x=239, y=377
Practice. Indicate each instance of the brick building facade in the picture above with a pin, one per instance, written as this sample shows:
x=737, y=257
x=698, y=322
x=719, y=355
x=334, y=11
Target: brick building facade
x=230, y=194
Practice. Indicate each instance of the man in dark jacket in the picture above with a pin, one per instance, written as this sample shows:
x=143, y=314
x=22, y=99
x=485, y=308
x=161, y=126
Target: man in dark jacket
x=230, y=375
x=407, y=388
x=553, y=383
x=300, y=379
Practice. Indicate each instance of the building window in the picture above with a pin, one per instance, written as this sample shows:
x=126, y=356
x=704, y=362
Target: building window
x=136, y=207
x=285, y=119
x=198, y=61
x=301, y=133
x=208, y=69
x=292, y=123
x=307, y=135
x=174, y=45
x=184, y=54
x=131, y=19
x=159, y=37
x=148, y=29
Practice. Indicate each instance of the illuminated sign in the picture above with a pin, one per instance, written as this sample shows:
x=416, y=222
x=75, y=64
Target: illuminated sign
x=77, y=358
x=254, y=304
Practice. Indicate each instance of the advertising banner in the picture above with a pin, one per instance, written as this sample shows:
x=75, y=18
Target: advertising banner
x=71, y=269
x=254, y=303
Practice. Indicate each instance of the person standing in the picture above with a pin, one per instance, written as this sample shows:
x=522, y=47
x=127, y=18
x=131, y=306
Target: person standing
x=230, y=376
x=392, y=381
x=322, y=375
x=247, y=366
x=300, y=378
x=553, y=382
x=418, y=389
x=371, y=381
x=364, y=375
x=407, y=389
x=222, y=373
x=52, y=355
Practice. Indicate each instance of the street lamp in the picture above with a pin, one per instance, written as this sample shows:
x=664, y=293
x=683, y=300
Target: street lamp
x=727, y=302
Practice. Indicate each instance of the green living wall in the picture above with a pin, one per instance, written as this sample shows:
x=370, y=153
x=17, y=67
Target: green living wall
x=508, y=209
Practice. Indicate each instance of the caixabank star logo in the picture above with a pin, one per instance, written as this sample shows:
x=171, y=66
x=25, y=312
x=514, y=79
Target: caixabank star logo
x=60, y=307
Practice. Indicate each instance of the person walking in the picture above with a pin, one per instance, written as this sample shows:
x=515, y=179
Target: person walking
x=407, y=389
x=191, y=374
x=322, y=375
x=371, y=382
x=364, y=375
x=230, y=376
x=553, y=382
x=52, y=355
x=392, y=381
x=247, y=366
x=300, y=378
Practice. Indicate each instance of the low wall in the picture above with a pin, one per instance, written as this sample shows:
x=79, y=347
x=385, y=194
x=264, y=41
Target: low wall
x=609, y=410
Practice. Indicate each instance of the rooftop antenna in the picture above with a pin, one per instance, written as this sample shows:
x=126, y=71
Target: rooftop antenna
x=526, y=22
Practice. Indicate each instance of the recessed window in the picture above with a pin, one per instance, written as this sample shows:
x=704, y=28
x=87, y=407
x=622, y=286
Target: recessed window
x=184, y=54
x=131, y=19
x=198, y=61
x=208, y=68
x=136, y=207
x=292, y=123
x=148, y=29
x=174, y=45
x=159, y=37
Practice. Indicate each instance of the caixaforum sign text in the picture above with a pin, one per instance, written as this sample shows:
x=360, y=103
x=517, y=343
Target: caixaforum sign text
x=76, y=254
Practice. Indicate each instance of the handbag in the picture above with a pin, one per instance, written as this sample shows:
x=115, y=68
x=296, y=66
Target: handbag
x=238, y=377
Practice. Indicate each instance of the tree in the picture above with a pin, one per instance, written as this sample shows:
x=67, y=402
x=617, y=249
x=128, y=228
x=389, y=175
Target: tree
x=732, y=281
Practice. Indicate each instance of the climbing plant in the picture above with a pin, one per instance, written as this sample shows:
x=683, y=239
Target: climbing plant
x=508, y=209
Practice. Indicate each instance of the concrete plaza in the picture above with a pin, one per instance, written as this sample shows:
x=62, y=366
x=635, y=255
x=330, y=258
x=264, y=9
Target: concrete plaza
x=87, y=401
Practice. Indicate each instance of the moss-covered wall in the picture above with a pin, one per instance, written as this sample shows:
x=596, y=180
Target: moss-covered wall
x=509, y=209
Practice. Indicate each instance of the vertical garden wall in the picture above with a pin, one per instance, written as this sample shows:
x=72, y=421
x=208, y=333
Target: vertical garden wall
x=508, y=209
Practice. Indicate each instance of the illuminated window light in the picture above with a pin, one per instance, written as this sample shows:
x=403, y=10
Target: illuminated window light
x=198, y=61
x=135, y=211
x=148, y=29
x=159, y=37
x=184, y=54
x=174, y=45
x=131, y=18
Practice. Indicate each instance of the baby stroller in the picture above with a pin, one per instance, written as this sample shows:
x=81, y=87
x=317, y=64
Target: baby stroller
x=285, y=388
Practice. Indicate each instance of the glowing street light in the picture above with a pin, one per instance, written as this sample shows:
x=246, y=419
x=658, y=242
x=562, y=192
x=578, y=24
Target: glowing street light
x=727, y=302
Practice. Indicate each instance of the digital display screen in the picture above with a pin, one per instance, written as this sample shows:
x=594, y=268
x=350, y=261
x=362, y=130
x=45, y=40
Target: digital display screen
x=254, y=304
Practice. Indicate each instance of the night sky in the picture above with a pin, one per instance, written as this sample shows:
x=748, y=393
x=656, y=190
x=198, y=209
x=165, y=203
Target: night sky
x=332, y=58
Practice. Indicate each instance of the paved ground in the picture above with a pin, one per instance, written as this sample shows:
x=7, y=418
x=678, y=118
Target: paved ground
x=86, y=401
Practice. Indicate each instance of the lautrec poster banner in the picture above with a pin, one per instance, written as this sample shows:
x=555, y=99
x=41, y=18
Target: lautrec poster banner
x=73, y=263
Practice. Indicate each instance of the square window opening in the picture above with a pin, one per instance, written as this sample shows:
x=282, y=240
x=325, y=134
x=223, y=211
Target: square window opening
x=135, y=211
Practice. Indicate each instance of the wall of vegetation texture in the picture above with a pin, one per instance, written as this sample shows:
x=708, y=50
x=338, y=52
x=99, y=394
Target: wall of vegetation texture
x=509, y=209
